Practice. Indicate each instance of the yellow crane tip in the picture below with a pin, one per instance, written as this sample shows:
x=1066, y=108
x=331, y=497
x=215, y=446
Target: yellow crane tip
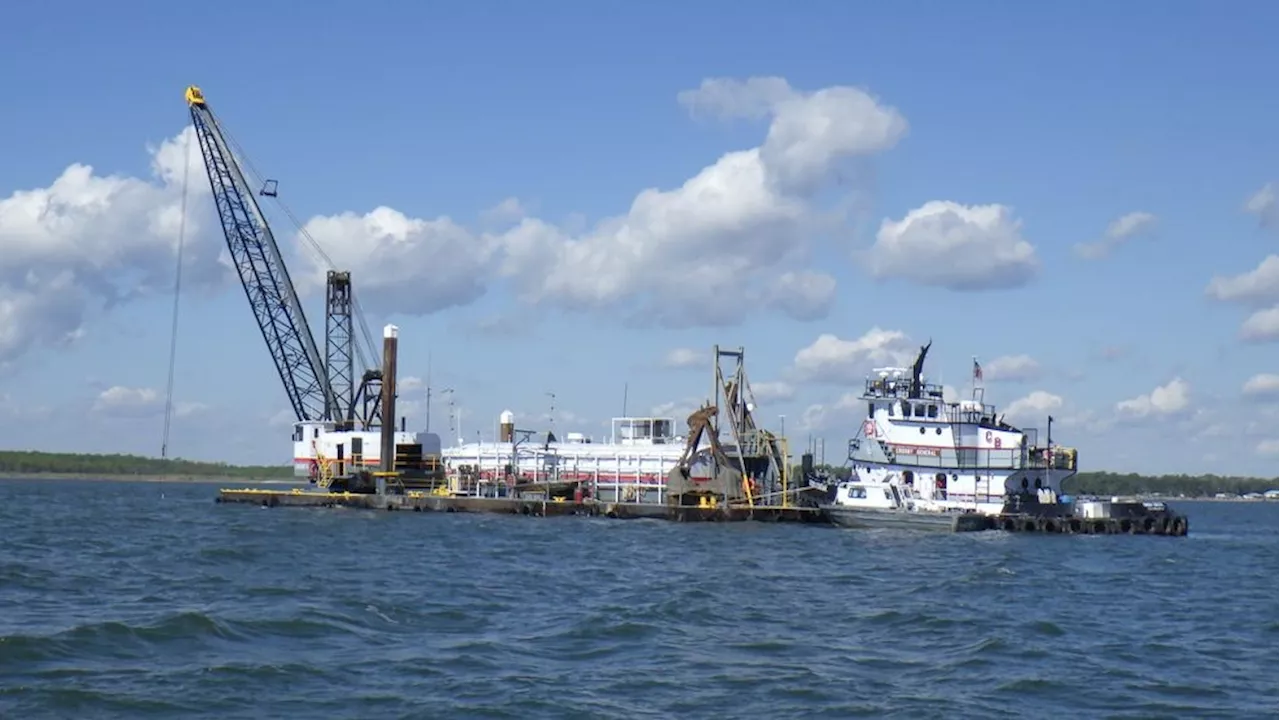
x=194, y=96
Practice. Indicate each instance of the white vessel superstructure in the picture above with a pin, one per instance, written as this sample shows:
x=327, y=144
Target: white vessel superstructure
x=631, y=464
x=946, y=455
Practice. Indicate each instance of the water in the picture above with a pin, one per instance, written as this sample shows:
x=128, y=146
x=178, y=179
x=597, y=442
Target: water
x=122, y=600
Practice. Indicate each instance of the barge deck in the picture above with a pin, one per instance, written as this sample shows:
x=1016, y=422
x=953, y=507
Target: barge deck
x=414, y=501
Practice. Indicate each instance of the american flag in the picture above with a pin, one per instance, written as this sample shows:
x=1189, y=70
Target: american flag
x=977, y=370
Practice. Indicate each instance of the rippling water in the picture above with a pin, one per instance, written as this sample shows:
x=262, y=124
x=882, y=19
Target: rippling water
x=148, y=600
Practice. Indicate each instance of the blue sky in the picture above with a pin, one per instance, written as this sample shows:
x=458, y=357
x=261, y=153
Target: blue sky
x=570, y=198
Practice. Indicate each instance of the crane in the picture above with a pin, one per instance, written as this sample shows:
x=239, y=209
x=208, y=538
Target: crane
x=319, y=388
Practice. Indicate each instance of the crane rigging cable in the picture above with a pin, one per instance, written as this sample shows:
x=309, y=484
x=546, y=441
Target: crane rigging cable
x=372, y=359
x=177, y=293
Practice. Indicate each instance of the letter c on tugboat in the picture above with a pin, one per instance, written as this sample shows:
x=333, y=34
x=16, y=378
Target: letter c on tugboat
x=988, y=436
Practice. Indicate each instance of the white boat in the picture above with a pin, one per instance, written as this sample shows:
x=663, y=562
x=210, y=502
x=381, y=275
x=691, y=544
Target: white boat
x=923, y=457
x=872, y=504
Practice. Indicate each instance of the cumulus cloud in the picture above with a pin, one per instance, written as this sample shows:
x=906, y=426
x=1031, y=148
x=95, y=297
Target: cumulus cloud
x=89, y=242
x=1120, y=230
x=728, y=239
x=1165, y=400
x=1257, y=289
x=509, y=211
x=841, y=413
x=1263, y=386
x=831, y=359
x=958, y=247
x=414, y=266
x=1263, y=205
x=1034, y=406
x=1011, y=368
x=120, y=401
x=1261, y=326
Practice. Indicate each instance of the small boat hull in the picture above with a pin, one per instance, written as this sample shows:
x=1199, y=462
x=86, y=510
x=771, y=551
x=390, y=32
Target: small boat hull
x=867, y=518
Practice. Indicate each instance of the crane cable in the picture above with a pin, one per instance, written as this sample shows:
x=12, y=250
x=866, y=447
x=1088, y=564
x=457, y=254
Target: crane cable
x=177, y=294
x=313, y=245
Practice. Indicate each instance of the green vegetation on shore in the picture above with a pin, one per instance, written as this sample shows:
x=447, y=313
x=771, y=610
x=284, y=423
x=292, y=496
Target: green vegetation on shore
x=1107, y=483
x=35, y=464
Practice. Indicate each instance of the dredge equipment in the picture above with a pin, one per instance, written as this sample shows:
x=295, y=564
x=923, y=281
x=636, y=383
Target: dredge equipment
x=339, y=423
x=743, y=463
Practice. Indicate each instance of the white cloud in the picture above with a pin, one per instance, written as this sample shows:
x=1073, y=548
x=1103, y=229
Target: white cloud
x=1035, y=406
x=677, y=410
x=414, y=266
x=1011, y=367
x=127, y=401
x=1168, y=399
x=120, y=401
x=1261, y=326
x=1258, y=287
x=841, y=414
x=1121, y=229
x=830, y=359
x=1263, y=204
x=729, y=239
x=509, y=211
x=686, y=358
x=803, y=295
x=410, y=383
x=1262, y=385
x=959, y=247
x=1267, y=447
x=88, y=242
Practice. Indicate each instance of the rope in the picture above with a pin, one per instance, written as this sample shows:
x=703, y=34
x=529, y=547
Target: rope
x=177, y=294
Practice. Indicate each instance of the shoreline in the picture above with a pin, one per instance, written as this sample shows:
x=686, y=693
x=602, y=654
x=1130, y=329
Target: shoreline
x=232, y=480
x=153, y=478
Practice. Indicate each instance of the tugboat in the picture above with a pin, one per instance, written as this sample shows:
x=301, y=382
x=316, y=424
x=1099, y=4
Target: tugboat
x=922, y=461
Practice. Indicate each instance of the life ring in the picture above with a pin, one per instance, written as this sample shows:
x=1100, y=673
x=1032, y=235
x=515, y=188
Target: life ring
x=1098, y=527
x=1048, y=525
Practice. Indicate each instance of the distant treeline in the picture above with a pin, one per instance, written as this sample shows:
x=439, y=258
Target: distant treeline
x=1107, y=483
x=37, y=463
x=1085, y=483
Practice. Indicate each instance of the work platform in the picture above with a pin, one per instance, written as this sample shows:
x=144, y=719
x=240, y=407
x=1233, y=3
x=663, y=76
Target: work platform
x=430, y=502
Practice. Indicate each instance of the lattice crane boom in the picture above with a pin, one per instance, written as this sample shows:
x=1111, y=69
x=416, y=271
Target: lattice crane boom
x=263, y=274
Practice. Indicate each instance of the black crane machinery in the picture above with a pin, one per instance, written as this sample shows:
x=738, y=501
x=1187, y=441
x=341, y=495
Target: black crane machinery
x=319, y=388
